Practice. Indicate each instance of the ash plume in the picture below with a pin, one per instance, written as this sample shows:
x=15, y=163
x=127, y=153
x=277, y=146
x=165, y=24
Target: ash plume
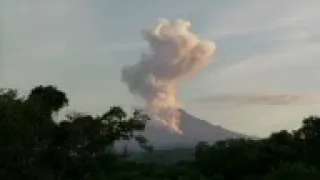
x=176, y=54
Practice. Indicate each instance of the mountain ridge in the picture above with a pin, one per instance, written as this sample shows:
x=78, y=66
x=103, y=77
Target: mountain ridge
x=194, y=130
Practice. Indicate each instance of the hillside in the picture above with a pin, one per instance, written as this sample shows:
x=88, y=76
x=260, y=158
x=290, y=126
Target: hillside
x=171, y=147
x=194, y=131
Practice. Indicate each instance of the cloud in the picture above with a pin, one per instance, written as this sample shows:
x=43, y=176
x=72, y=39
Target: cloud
x=75, y=44
x=262, y=46
x=121, y=47
x=242, y=100
x=64, y=43
x=267, y=73
x=251, y=17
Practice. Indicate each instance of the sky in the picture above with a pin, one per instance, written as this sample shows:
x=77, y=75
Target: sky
x=263, y=76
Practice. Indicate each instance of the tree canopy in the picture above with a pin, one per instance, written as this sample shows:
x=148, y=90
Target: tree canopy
x=81, y=146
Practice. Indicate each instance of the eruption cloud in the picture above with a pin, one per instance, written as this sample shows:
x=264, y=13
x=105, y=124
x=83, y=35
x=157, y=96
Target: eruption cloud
x=176, y=54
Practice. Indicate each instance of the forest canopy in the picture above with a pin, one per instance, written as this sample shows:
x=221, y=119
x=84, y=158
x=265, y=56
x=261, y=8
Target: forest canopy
x=81, y=146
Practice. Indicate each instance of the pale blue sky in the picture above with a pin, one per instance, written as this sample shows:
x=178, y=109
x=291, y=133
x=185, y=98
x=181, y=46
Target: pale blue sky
x=267, y=46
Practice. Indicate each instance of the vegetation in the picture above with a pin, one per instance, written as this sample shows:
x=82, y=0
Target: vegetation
x=81, y=146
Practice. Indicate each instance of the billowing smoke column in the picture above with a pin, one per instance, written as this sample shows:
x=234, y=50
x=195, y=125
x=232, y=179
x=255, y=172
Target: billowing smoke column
x=176, y=55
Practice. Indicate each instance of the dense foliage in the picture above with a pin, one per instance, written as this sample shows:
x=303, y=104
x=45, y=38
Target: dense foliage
x=34, y=146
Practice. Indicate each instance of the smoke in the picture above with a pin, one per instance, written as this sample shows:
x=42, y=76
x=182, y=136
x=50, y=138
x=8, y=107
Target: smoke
x=176, y=54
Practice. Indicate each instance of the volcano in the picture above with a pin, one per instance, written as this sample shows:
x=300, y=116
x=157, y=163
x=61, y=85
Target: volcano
x=194, y=131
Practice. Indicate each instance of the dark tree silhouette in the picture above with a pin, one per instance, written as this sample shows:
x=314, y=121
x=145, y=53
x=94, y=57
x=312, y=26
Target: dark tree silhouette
x=81, y=146
x=48, y=98
x=33, y=146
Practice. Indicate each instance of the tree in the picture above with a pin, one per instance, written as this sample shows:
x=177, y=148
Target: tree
x=87, y=139
x=308, y=137
x=293, y=171
x=48, y=98
x=24, y=134
x=310, y=130
x=79, y=147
